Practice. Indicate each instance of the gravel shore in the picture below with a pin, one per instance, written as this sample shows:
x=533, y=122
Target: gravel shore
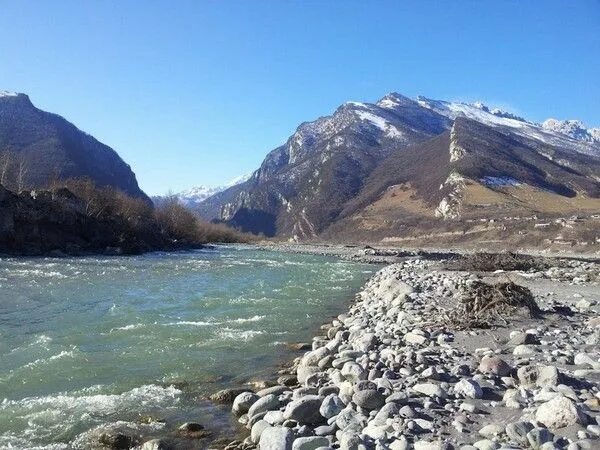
x=393, y=374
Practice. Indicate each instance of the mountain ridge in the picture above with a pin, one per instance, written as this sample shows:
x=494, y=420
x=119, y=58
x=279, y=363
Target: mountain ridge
x=306, y=185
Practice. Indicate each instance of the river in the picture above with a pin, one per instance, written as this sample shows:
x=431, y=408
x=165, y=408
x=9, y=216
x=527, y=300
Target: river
x=139, y=342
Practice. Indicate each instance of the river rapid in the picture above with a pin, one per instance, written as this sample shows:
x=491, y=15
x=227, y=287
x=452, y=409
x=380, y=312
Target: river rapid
x=139, y=342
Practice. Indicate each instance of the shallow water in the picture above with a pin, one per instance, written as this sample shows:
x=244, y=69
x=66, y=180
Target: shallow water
x=90, y=341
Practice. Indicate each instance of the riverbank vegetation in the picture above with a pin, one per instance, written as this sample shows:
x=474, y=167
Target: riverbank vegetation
x=76, y=216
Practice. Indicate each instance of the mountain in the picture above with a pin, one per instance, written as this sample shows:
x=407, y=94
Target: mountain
x=196, y=195
x=373, y=171
x=303, y=185
x=570, y=134
x=46, y=146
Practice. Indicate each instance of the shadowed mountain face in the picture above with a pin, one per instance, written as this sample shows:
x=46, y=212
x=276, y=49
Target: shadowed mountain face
x=380, y=167
x=50, y=147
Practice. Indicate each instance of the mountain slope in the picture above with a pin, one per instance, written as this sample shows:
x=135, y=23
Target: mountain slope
x=472, y=172
x=302, y=186
x=51, y=147
x=569, y=134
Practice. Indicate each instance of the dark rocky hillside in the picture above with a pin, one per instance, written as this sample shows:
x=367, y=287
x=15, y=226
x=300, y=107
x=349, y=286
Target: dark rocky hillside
x=80, y=218
x=47, y=147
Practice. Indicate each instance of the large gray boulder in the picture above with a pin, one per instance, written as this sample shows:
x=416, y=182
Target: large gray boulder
x=276, y=438
x=310, y=443
x=429, y=389
x=304, y=410
x=155, y=444
x=331, y=406
x=304, y=372
x=369, y=399
x=466, y=388
x=264, y=404
x=257, y=430
x=517, y=432
x=243, y=402
x=540, y=376
x=494, y=365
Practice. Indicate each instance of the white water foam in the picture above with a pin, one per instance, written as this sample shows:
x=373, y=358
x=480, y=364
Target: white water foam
x=61, y=355
x=53, y=415
x=131, y=326
x=231, y=334
x=201, y=323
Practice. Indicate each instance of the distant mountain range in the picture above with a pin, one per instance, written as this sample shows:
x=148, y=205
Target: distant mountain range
x=377, y=170
x=194, y=196
x=45, y=146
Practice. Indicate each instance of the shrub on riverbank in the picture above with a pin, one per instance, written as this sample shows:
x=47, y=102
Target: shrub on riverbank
x=179, y=222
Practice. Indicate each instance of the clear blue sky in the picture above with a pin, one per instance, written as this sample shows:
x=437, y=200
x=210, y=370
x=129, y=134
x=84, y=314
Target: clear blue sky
x=197, y=92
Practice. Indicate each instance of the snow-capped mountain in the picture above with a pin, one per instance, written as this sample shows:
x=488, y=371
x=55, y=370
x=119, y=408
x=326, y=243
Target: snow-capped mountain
x=569, y=133
x=4, y=93
x=197, y=194
x=322, y=174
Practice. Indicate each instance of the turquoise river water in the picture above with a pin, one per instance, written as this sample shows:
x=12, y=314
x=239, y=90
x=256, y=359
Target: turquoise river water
x=91, y=342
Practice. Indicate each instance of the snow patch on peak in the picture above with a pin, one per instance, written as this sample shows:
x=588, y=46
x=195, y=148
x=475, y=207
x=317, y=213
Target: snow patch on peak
x=393, y=100
x=567, y=136
x=379, y=122
x=4, y=93
x=572, y=128
x=477, y=111
x=357, y=105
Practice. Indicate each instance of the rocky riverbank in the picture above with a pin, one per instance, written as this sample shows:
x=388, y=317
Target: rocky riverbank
x=393, y=373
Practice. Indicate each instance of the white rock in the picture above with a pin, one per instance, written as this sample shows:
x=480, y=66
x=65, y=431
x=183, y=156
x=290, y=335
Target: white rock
x=524, y=350
x=468, y=389
x=413, y=338
x=310, y=443
x=558, y=413
x=428, y=445
x=429, y=389
x=257, y=430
